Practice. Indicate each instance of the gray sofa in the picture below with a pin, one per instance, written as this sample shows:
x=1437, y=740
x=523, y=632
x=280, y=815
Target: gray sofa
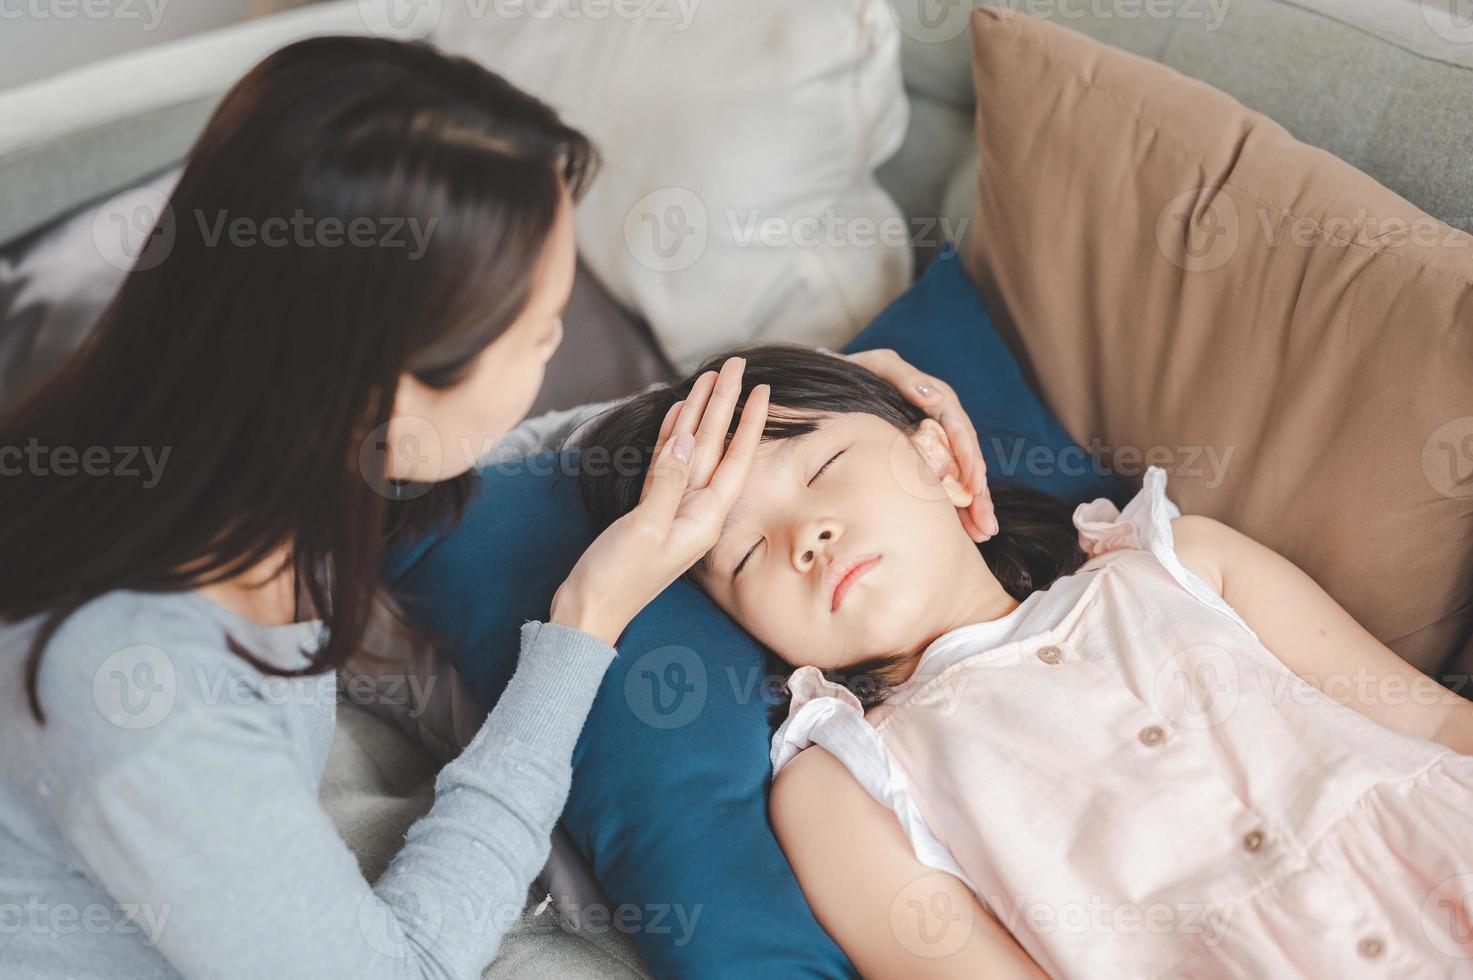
x=1384, y=84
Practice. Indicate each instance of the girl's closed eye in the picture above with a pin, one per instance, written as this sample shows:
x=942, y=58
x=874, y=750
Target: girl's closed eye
x=743, y=563
x=826, y=465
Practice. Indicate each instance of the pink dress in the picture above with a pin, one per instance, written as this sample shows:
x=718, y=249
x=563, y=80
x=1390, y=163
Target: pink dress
x=1137, y=787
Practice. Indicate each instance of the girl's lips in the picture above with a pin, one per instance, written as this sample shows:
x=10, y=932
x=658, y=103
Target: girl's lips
x=849, y=577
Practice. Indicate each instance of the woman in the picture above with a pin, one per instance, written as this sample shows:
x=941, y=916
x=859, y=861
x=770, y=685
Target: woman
x=302, y=370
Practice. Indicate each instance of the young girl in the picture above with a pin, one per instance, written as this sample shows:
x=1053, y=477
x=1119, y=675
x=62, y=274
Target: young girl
x=1130, y=744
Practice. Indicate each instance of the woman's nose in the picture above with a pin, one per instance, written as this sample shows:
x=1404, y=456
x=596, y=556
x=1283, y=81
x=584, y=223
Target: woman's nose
x=812, y=539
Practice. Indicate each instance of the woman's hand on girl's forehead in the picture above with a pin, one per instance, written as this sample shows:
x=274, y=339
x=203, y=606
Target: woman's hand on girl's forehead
x=694, y=478
x=938, y=400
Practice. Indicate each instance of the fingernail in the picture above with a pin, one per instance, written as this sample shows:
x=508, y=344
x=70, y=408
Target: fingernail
x=682, y=446
x=823, y=350
x=927, y=391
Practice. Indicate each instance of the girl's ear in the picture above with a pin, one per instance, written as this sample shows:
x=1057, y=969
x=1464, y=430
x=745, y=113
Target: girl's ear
x=934, y=446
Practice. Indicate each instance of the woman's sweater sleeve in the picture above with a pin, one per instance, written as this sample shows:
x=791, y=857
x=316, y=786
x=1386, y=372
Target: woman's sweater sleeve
x=215, y=832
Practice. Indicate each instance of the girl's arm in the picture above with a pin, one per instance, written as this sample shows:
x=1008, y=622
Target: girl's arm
x=1317, y=639
x=892, y=915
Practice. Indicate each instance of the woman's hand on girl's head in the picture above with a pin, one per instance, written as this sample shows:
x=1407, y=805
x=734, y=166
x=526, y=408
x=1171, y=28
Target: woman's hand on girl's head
x=939, y=400
x=691, y=485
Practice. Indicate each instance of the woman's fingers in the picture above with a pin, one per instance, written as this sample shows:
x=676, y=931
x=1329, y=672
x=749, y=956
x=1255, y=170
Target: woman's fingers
x=716, y=421
x=971, y=467
x=669, y=479
x=666, y=428
x=731, y=474
x=683, y=416
x=972, y=471
x=983, y=513
x=969, y=524
x=978, y=517
x=695, y=403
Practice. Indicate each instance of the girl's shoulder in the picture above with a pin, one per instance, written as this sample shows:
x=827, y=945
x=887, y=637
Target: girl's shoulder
x=826, y=729
x=1152, y=525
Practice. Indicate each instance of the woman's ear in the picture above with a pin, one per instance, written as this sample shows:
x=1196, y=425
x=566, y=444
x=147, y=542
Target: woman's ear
x=934, y=446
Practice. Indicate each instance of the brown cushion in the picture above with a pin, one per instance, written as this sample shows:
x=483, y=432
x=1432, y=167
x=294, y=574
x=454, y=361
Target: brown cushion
x=1188, y=283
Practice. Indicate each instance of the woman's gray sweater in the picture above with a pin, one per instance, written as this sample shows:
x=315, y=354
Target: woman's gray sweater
x=164, y=820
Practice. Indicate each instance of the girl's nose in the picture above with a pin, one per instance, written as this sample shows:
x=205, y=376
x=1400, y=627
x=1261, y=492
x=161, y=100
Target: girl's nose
x=812, y=539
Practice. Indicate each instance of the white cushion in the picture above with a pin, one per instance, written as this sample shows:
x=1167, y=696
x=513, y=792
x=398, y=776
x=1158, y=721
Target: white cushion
x=737, y=201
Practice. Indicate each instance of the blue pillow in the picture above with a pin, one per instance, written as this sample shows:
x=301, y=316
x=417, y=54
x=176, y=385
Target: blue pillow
x=670, y=777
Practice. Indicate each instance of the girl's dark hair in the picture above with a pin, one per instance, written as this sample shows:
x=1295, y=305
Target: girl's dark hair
x=263, y=368
x=1036, y=542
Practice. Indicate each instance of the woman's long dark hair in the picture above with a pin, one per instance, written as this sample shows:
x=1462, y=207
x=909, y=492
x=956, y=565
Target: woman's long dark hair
x=1036, y=542
x=262, y=367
